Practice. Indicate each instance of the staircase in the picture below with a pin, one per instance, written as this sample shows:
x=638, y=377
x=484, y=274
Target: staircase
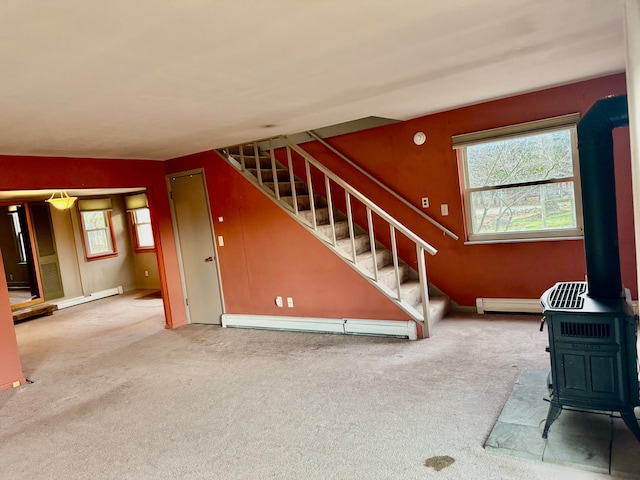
x=309, y=192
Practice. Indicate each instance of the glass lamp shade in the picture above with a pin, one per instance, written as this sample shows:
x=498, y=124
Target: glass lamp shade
x=63, y=202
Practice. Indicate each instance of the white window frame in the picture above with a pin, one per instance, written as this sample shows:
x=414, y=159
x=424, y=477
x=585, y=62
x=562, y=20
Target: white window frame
x=460, y=144
x=135, y=227
x=107, y=230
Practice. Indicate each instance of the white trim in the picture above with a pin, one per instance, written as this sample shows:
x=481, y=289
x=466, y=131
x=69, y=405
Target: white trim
x=89, y=298
x=512, y=305
x=521, y=129
x=348, y=326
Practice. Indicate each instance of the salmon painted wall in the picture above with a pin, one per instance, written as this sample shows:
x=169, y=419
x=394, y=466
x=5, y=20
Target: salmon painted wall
x=10, y=368
x=465, y=272
x=32, y=173
x=267, y=254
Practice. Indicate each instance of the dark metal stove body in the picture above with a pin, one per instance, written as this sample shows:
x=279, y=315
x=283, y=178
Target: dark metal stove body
x=592, y=329
x=593, y=351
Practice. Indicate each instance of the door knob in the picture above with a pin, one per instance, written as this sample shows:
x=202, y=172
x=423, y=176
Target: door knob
x=208, y=259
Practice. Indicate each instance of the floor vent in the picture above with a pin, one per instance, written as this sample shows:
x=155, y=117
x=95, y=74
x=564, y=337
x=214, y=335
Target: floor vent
x=568, y=295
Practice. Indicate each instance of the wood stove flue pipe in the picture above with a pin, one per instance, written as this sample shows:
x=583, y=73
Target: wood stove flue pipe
x=597, y=175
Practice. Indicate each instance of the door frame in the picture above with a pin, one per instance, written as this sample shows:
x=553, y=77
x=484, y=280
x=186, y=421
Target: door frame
x=174, y=223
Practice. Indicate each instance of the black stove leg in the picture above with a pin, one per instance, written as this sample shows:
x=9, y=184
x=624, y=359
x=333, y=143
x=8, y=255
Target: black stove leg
x=552, y=415
x=631, y=422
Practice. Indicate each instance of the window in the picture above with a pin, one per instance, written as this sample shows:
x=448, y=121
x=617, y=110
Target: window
x=97, y=228
x=521, y=182
x=18, y=233
x=141, y=228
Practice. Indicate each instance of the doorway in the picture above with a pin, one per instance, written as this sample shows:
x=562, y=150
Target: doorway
x=19, y=256
x=195, y=238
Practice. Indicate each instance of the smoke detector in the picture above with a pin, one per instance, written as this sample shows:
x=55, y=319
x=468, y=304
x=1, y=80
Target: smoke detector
x=419, y=138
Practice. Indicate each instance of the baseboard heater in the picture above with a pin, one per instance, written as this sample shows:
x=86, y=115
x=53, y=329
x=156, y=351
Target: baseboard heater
x=510, y=305
x=345, y=326
x=89, y=298
x=515, y=305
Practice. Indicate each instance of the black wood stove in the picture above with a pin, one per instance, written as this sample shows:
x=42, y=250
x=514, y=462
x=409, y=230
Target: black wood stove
x=591, y=325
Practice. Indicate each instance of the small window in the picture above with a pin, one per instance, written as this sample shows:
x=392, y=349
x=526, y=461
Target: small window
x=141, y=228
x=18, y=233
x=99, y=239
x=521, y=185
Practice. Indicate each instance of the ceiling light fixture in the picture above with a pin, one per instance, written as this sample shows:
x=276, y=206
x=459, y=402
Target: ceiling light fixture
x=63, y=202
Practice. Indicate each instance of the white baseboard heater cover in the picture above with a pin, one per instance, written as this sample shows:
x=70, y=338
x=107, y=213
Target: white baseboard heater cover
x=511, y=305
x=347, y=326
x=516, y=305
x=89, y=298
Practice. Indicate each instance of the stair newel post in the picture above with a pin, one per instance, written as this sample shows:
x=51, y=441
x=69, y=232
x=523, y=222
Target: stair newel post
x=276, y=186
x=292, y=179
x=424, y=290
x=327, y=187
x=256, y=153
x=242, y=166
x=352, y=236
x=314, y=221
x=372, y=244
x=394, y=252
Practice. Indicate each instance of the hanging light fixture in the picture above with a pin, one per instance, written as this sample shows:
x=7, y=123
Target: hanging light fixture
x=62, y=202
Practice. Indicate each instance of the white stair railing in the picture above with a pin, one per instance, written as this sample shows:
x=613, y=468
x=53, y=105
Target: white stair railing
x=271, y=174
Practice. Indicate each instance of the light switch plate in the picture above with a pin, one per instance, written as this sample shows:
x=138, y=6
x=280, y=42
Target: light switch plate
x=444, y=209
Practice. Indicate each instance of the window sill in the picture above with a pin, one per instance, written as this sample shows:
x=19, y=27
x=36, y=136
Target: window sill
x=523, y=240
x=145, y=250
x=102, y=257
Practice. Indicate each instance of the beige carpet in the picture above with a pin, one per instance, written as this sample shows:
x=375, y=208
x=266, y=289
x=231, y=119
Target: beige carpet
x=115, y=396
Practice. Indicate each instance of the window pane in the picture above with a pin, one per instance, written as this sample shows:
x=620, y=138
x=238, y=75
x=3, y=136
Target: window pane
x=523, y=159
x=93, y=220
x=521, y=209
x=142, y=215
x=99, y=242
x=145, y=235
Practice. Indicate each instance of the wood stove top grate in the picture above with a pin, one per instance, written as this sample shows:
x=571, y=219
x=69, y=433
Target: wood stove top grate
x=568, y=295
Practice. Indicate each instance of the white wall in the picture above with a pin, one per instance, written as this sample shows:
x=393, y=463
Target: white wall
x=106, y=273
x=66, y=247
x=146, y=262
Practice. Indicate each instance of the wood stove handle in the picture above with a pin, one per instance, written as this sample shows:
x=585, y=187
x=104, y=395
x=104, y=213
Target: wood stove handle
x=542, y=320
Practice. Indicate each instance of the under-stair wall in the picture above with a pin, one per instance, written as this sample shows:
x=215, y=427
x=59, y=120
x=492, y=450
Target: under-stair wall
x=290, y=184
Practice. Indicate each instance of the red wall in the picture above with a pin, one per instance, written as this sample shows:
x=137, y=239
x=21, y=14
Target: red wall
x=31, y=173
x=10, y=369
x=267, y=254
x=465, y=272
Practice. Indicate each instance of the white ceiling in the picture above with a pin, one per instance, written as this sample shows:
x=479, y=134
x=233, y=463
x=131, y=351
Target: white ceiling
x=159, y=79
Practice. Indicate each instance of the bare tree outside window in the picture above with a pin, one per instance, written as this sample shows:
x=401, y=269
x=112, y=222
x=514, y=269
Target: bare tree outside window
x=522, y=186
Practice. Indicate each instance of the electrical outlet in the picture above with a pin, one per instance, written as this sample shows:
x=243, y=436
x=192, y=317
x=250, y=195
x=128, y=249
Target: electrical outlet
x=444, y=209
x=425, y=202
x=220, y=241
x=290, y=302
x=279, y=302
